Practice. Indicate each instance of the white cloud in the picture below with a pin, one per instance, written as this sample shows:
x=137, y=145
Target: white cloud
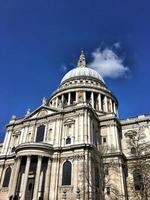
x=108, y=63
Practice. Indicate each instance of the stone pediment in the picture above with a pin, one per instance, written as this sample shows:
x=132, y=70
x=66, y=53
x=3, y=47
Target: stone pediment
x=40, y=112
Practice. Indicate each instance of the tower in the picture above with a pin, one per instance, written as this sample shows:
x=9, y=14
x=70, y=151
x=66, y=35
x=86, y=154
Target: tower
x=55, y=152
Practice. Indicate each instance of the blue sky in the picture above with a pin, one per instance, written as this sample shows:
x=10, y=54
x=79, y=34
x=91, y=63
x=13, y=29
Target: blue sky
x=41, y=40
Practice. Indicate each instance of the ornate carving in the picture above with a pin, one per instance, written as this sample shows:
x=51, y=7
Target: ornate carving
x=42, y=113
x=73, y=157
x=79, y=157
x=65, y=189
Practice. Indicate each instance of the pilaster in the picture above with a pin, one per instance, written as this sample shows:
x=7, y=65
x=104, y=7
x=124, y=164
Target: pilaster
x=99, y=102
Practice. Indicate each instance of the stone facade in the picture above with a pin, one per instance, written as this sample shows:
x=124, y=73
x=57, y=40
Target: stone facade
x=78, y=128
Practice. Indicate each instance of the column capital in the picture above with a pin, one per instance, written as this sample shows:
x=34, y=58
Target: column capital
x=69, y=98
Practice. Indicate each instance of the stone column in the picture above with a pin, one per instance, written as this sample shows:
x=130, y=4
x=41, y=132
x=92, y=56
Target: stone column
x=105, y=104
x=69, y=98
x=14, y=177
x=56, y=102
x=62, y=100
x=25, y=177
x=84, y=96
x=114, y=108
x=76, y=97
x=111, y=105
x=99, y=102
x=37, y=178
x=92, y=99
x=47, y=180
x=52, y=102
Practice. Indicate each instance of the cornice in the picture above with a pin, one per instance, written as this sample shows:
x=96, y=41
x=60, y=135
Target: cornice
x=58, y=115
x=34, y=145
x=135, y=120
x=25, y=149
x=109, y=120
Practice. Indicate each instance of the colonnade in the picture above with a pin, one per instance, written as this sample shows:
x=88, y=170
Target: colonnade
x=98, y=101
x=37, y=183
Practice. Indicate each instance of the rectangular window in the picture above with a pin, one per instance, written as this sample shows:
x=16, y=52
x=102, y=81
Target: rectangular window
x=40, y=133
x=104, y=139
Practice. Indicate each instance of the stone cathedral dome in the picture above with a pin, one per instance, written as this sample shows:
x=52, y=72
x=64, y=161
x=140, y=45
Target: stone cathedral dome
x=83, y=85
x=82, y=71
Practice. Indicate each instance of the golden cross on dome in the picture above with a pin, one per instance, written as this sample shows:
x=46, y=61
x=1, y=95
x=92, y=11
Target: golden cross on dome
x=82, y=60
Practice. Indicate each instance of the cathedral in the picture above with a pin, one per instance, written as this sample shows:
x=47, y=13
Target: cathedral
x=73, y=146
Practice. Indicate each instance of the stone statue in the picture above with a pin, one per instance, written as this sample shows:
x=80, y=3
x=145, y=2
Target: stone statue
x=28, y=111
x=44, y=101
x=13, y=117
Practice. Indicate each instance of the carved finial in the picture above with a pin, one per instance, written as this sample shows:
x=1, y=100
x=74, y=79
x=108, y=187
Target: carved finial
x=82, y=60
x=28, y=111
x=13, y=118
x=44, y=101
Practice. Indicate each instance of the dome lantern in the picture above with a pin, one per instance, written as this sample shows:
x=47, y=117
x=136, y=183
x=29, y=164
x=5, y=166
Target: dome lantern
x=82, y=60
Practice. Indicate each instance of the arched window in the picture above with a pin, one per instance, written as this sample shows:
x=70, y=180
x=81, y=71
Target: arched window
x=7, y=177
x=40, y=133
x=68, y=140
x=138, y=179
x=66, y=175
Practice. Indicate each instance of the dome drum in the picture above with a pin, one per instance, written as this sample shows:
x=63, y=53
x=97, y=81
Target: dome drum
x=97, y=100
